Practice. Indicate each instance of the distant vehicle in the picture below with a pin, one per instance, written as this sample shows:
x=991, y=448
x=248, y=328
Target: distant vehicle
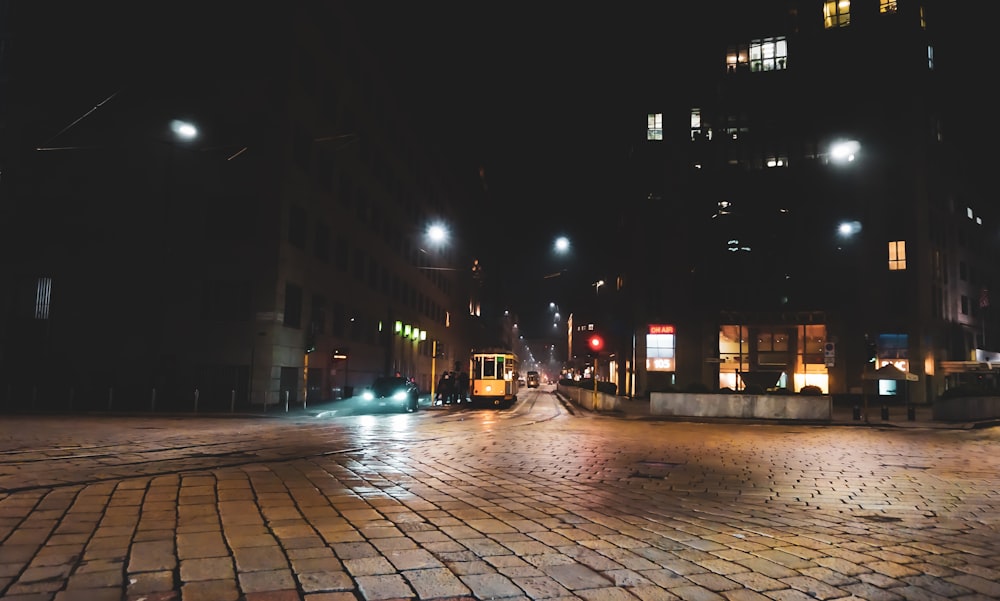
x=391, y=391
x=492, y=378
x=534, y=380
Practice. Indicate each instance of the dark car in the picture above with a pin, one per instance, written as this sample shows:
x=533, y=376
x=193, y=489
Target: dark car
x=391, y=391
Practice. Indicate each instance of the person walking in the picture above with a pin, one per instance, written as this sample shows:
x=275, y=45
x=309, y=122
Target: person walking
x=444, y=389
x=463, y=387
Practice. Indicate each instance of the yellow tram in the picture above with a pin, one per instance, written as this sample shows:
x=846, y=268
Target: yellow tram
x=493, y=378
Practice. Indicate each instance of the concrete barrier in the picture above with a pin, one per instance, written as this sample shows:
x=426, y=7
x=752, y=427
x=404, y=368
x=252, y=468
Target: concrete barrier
x=586, y=398
x=966, y=409
x=755, y=406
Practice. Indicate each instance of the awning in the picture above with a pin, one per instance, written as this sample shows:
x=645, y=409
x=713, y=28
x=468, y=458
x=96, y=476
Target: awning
x=889, y=372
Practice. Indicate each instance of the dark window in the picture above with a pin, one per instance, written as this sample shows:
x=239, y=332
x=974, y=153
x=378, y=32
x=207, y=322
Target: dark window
x=339, y=320
x=359, y=265
x=293, y=306
x=322, y=245
x=225, y=300
x=342, y=253
x=318, y=318
x=297, y=226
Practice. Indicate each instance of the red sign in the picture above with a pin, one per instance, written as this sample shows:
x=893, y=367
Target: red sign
x=660, y=329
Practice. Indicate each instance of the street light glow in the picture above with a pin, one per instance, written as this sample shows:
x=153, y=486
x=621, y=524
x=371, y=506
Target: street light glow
x=437, y=233
x=184, y=130
x=562, y=244
x=844, y=151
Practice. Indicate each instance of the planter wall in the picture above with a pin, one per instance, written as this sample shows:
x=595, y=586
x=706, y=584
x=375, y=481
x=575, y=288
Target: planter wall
x=756, y=406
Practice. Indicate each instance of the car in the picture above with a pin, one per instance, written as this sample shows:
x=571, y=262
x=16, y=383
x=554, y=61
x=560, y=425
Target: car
x=534, y=380
x=392, y=391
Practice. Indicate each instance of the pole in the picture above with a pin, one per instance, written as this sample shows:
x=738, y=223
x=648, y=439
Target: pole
x=434, y=355
x=594, y=376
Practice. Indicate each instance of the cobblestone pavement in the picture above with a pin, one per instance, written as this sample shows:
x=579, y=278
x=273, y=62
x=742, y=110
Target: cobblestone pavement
x=537, y=502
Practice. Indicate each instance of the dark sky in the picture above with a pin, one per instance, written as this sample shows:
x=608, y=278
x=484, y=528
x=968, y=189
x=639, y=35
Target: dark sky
x=538, y=94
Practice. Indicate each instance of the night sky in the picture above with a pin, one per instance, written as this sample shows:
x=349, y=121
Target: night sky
x=535, y=94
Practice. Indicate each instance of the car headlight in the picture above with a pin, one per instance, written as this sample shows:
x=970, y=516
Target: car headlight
x=399, y=395
x=368, y=395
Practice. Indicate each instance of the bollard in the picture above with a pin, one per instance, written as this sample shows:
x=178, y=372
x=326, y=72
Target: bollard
x=286, y=401
x=152, y=402
x=232, y=401
x=885, y=412
x=72, y=392
x=111, y=396
x=911, y=413
x=196, y=393
x=857, y=413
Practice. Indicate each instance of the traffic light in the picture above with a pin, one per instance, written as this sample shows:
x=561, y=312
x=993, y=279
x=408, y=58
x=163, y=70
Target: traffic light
x=595, y=343
x=871, y=350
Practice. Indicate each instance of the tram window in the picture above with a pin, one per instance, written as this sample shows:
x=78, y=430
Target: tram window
x=489, y=369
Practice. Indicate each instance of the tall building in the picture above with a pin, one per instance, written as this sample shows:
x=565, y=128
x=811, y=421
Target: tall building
x=800, y=212
x=214, y=210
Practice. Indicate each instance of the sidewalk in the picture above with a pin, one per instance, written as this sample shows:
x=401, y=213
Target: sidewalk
x=895, y=416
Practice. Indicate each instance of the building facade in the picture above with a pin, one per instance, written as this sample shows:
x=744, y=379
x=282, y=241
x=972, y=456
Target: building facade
x=800, y=213
x=276, y=255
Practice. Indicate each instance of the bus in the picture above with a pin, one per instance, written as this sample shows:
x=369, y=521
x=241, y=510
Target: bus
x=493, y=378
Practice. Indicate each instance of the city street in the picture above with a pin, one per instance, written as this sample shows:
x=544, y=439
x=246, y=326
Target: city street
x=541, y=501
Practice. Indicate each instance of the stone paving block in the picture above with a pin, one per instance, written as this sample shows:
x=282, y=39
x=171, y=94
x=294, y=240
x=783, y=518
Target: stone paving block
x=287, y=595
x=382, y=588
x=575, y=576
x=368, y=566
x=330, y=597
x=210, y=590
x=713, y=582
x=653, y=593
x=96, y=580
x=206, y=568
x=978, y=584
x=335, y=580
x=870, y=592
x=491, y=586
x=748, y=595
x=255, y=559
x=355, y=550
x=201, y=544
x=435, y=583
x=606, y=594
x=541, y=587
x=90, y=594
x=146, y=583
x=626, y=578
x=812, y=587
x=266, y=580
x=150, y=556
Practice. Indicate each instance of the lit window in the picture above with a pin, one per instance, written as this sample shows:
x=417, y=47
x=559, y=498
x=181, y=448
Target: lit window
x=923, y=21
x=695, y=123
x=737, y=58
x=968, y=212
x=654, y=126
x=897, y=255
x=887, y=6
x=776, y=161
x=768, y=54
x=930, y=57
x=836, y=13
x=43, y=297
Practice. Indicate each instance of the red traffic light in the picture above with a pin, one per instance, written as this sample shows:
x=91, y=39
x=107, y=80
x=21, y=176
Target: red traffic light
x=595, y=342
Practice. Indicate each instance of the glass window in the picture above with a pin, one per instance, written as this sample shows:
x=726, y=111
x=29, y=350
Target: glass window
x=768, y=54
x=897, y=255
x=887, y=6
x=836, y=13
x=654, y=126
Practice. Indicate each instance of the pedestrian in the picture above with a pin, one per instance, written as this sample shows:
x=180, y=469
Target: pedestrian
x=463, y=387
x=444, y=389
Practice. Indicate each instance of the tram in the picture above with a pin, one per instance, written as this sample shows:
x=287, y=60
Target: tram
x=493, y=378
